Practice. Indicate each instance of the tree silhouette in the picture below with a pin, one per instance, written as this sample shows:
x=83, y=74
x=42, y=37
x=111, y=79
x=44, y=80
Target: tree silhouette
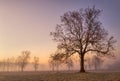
x=97, y=62
x=89, y=63
x=55, y=61
x=81, y=32
x=69, y=63
x=8, y=64
x=36, y=63
x=23, y=59
x=52, y=64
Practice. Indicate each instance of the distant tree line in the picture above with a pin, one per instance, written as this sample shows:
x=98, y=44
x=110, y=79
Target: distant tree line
x=94, y=63
x=55, y=63
x=19, y=63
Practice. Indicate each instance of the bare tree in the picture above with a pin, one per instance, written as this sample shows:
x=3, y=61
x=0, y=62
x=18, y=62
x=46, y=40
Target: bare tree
x=13, y=64
x=97, y=62
x=18, y=63
x=36, y=63
x=0, y=65
x=23, y=59
x=8, y=64
x=89, y=63
x=69, y=63
x=51, y=64
x=55, y=61
x=4, y=65
x=81, y=32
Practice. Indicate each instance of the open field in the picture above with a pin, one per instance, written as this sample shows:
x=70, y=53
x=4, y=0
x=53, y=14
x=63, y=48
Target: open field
x=50, y=76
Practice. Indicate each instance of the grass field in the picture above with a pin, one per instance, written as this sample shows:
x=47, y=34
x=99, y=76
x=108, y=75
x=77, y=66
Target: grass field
x=59, y=76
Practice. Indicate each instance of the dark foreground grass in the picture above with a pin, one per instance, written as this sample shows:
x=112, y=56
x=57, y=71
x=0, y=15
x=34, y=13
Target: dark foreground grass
x=50, y=76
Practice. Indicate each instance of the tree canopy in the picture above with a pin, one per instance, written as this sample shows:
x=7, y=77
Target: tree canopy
x=81, y=32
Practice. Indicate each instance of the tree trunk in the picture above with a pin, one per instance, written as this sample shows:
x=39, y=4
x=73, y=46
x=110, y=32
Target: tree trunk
x=82, y=63
x=53, y=68
x=21, y=69
x=35, y=69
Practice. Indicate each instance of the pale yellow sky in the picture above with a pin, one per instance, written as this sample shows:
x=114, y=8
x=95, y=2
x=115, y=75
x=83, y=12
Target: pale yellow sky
x=24, y=29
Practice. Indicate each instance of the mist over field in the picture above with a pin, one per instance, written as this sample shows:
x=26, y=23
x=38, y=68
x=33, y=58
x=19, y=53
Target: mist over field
x=65, y=40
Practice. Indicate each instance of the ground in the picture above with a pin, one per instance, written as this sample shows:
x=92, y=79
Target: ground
x=59, y=76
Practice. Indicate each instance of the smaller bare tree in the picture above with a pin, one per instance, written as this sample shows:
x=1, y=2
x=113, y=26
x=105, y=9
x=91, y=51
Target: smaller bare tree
x=8, y=64
x=97, y=61
x=12, y=64
x=51, y=64
x=4, y=65
x=17, y=63
x=89, y=63
x=55, y=61
x=36, y=63
x=23, y=59
x=69, y=63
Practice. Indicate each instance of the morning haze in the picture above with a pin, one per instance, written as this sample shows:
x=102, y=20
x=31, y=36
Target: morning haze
x=25, y=28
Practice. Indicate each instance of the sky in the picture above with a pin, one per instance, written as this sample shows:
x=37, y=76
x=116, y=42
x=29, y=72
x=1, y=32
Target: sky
x=26, y=24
